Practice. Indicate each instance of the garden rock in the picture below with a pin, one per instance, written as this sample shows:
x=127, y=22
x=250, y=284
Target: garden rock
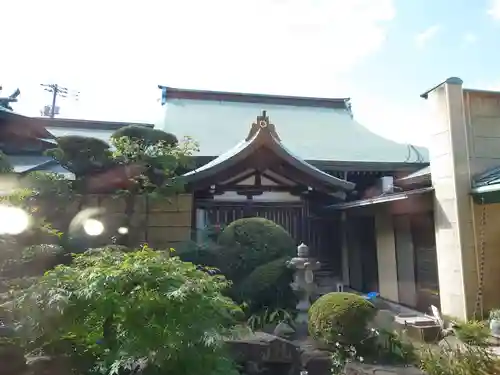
x=262, y=353
x=44, y=365
x=318, y=362
x=315, y=361
x=283, y=330
x=12, y=361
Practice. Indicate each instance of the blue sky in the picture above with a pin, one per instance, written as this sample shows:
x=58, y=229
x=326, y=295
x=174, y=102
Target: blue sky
x=382, y=53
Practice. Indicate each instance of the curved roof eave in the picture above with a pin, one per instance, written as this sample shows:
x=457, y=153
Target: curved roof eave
x=221, y=162
x=305, y=167
x=263, y=136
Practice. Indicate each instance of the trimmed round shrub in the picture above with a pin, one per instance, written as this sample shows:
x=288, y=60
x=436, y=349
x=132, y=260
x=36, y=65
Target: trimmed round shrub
x=250, y=242
x=340, y=317
x=146, y=135
x=206, y=254
x=268, y=286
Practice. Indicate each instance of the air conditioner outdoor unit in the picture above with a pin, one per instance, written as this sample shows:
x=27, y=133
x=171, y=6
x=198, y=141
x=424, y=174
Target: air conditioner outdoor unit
x=386, y=184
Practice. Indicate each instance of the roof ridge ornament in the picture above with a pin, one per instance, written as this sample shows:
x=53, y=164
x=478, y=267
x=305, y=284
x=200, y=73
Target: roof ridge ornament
x=12, y=98
x=263, y=125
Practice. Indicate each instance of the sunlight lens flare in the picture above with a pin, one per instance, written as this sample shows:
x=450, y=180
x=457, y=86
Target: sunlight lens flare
x=93, y=227
x=123, y=230
x=13, y=220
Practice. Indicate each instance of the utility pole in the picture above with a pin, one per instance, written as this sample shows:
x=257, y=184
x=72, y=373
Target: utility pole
x=57, y=90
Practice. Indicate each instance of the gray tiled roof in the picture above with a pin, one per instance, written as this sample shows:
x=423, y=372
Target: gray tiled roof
x=28, y=163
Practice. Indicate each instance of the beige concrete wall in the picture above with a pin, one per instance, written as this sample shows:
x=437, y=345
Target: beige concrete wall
x=487, y=220
x=482, y=113
x=465, y=142
x=161, y=223
x=451, y=176
x=386, y=257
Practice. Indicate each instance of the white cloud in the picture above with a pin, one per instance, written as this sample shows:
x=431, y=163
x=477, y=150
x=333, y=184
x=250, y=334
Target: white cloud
x=116, y=52
x=470, y=38
x=494, y=10
x=425, y=36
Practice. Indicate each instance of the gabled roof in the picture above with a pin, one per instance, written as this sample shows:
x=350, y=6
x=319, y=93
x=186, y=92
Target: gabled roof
x=260, y=150
x=71, y=123
x=236, y=97
x=315, y=129
x=22, y=126
x=24, y=164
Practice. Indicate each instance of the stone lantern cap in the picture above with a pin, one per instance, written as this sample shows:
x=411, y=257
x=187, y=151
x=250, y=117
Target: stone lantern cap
x=302, y=260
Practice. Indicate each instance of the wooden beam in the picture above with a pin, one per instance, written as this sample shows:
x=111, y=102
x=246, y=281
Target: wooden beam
x=264, y=188
x=240, y=177
x=280, y=180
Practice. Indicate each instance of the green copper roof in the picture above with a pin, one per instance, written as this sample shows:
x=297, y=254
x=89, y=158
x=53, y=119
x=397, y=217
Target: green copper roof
x=486, y=186
x=264, y=135
x=311, y=133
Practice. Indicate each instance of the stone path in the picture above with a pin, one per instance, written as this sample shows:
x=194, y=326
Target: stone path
x=362, y=369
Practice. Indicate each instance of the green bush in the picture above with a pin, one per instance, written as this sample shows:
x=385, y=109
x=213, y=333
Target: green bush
x=145, y=135
x=464, y=359
x=82, y=155
x=205, y=254
x=340, y=317
x=473, y=332
x=127, y=309
x=250, y=242
x=268, y=286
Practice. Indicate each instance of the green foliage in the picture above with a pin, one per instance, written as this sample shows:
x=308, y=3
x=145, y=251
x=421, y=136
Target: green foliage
x=82, y=155
x=43, y=257
x=466, y=360
x=5, y=166
x=472, y=332
x=385, y=346
x=268, y=286
x=124, y=309
x=145, y=136
x=252, y=253
x=48, y=185
x=340, y=317
x=251, y=242
x=494, y=314
x=205, y=253
x=159, y=156
x=39, y=230
x=265, y=317
x=380, y=346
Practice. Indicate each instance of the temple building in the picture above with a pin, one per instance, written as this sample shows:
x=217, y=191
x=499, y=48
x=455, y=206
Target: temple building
x=417, y=226
x=306, y=164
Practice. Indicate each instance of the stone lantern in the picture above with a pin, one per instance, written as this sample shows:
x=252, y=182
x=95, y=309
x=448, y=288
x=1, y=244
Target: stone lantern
x=303, y=283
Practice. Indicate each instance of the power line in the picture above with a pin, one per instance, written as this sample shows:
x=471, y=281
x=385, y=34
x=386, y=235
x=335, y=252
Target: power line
x=57, y=91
